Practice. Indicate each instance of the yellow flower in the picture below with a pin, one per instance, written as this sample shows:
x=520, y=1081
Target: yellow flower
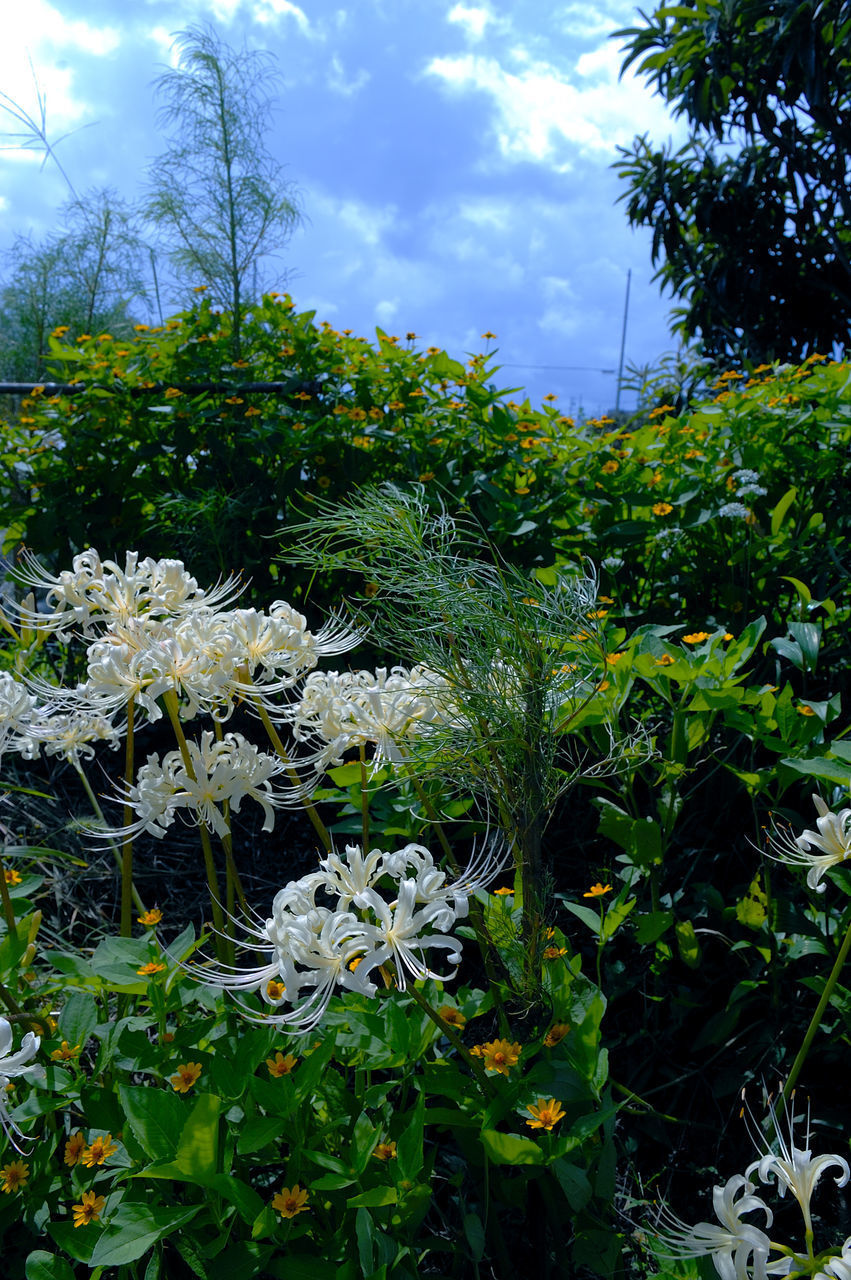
x=665, y=661
x=370, y=589
x=154, y=916
x=385, y=1151
x=545, y=1113
x=172, y=393
x=11, y=876
x=489, y=337
x=14, y=1176
x=153, y=966
x=504, y=892
x=597, y=890
x=613, y=658
x=696, y=637
x=98, y=1150
x=288, y=1202
x=805, y=710
x=662, y=508
x=453, y=1016
x=500, y=1055
x=274, y=989
x=728, y=635
x=663, y=408
x=425, y=476
x=89, y=1210
x=610, y=467
x=74, y=1148
x=556, y=1034
x=65, y=1053
x=187, y=1074
x=280, y=1065
x=324, y=482
x=554, y=953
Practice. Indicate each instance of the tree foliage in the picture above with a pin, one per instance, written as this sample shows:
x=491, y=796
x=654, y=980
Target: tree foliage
x=750, y=217
x=217, y=196
x=83, y=278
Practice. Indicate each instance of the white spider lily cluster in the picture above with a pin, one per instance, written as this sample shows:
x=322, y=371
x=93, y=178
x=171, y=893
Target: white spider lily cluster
x=13, y=1064
x=833, y=838
x=214, y=772
x=333, y=928
x=356, y=708
x=741, y=1250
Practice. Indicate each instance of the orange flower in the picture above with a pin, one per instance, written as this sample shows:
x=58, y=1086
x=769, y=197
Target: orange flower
x=453, y=1016
x=274, y=989
x=554, y=953
x=500, y=1055
x=187, y=1074
x=280, y=1065
x=89, y=1210
x=805, y=710
x=14, y=1176
x=153, y=966
x=696, y=637
x=662, y=508
x=504, y=892
x=65, y=1053
x=597, y=890
x=613, y=658
x=98, y=1150
x=385, y=1151
x=556, y=1034
x=11, y=876
x=545, y=1114
x=288, y=1202
x=609, y=468
x=154, y=916
x=74, y=1148
x=665, y=661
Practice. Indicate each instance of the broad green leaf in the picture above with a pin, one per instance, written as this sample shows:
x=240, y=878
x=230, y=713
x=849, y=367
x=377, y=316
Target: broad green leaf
x=155, y=1117
x=78, y=1018
x=779, y=513
x=753, y=908
x=507, y=1148
x=374, y=1198
x=197, y=1149
x=573, y=1182
x=650, y=926
x=687, y=943
x=133, y=1229
x=47, y=1266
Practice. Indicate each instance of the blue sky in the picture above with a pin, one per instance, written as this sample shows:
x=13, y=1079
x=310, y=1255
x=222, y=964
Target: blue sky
x=452, y=160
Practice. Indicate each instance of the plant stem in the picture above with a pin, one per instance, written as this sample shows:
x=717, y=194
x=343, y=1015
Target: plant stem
x=99, y=814
x=127, y=843
x=815, y=1021
x=8, y=909
x=453, y=1037
x=318, y=825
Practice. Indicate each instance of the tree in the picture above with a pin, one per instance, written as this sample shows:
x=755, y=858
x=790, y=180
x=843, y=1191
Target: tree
x=85, y=277
x=217, y=196
x=752, y=217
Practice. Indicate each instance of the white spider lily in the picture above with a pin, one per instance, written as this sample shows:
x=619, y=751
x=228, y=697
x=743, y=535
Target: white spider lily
x=17, y=708
x=833, y=838
x=739, y=1250
x=96, y=591
x=71, y=735
x=356, y=708
x=838, y=1268
x=796, y=1168
x=230, y=769
x=312, y=950
x=13, y=1064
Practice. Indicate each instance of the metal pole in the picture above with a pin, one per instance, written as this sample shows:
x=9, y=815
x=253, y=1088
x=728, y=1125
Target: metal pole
x=623, y=340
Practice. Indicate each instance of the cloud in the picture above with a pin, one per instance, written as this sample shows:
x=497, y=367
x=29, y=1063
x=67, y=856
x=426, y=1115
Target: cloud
x=546, y=115
x=472, y=18
x=268, y=12
x=337, y=79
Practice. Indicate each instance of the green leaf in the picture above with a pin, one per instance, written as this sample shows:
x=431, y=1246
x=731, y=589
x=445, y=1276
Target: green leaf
x=687, y=943
x=46, y=1266
x=615, y=917
x=778, y=515
x=752, y=910
x=507, y=1148
x=133, y=1229
x=78, y=1018
x=650, y=926
x=573, y=1182
x=197, y=1150
x=155, y=1117
x=374, y=1198
x=475, y=1233
x=409, y=1148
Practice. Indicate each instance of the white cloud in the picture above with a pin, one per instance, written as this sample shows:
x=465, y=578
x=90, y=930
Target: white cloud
x=339, y=84
x=472, y=18
x=386, y=311
x=543, y=116
x=267, y=12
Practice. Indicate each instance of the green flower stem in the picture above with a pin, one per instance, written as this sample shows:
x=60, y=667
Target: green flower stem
x=17, y=1014
x=364, y=801
x=8, y=909
x=172, y=707
x=454, y=1039
x=233, y=884
x=815, y=1021
x=274, y=737
x=127, y=843
x=99, y=814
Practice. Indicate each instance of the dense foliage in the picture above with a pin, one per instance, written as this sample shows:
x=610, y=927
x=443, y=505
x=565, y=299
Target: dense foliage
x=645, y=740
x=750, y=216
